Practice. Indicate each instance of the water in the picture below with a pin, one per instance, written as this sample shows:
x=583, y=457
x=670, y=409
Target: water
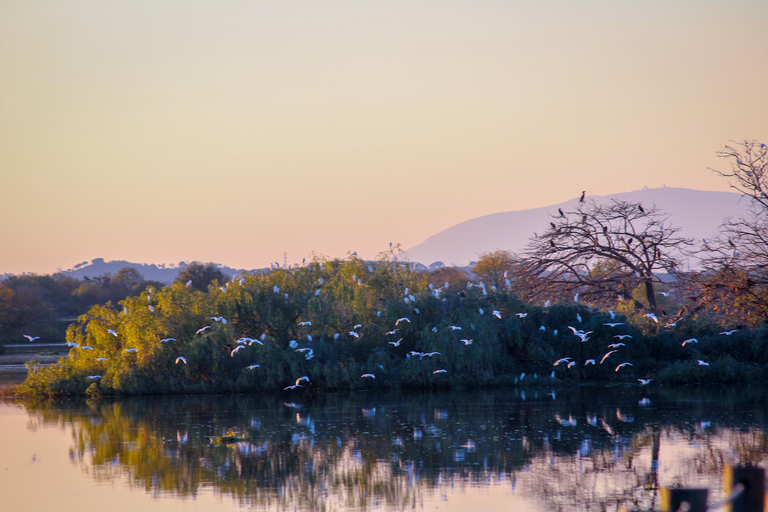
x=580, y=449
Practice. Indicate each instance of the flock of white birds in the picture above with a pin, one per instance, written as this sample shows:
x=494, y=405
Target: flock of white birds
x=308, y=352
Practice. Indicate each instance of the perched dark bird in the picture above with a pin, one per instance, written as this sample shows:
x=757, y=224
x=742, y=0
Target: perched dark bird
x=553, y=225
x=605, y=229
x=583, y=218
x=640, y=207
x=552, y=244
x=583, y=193
x=561, y=212
x=730, y=242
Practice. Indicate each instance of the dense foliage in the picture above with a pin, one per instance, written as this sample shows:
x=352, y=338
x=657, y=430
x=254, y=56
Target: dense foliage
x=335, y=321
x=45, y=305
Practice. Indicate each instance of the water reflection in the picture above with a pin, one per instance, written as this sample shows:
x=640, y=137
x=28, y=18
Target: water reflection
x=582, y=449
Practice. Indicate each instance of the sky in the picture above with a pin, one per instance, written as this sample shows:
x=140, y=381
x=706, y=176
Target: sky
x=244, y=132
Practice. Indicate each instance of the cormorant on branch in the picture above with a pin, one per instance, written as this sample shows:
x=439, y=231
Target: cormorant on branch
x=583, y=192
x=561, y=212
x=640, y=207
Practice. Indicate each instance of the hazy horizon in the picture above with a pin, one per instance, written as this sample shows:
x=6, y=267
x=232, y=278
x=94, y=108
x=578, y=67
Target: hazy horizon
x=233, y=132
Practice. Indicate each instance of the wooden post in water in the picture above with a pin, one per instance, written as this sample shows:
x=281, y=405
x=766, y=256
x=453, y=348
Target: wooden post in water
x=684, y=500
x=752, y=499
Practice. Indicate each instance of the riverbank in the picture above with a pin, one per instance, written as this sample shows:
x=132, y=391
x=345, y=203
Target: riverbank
x=13, y=369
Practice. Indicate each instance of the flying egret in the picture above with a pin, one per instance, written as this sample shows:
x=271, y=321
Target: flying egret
x=522, y=315
x=454, y=327
x=112, y=332
x=572, y=363
x=728, y=333
x=576, y=298
x=392, y=332
x=182, y=359
x=367, y=375
x=613, y=324
x=622, y=336
x=396, y=343
x=356, y=326
x=481, y=311
x=293, y=344
x=563, y=360
x=542, y=328
x=300, y=379
x=72, y=345
x=652, y=317
x=355, y=334
x=94, y=377
x=131, y=350
x=616, y=345
x=86, y=347
x=203, y=329
x=612, y=314
x=546, y=304
x=305, y=323
x=102, y=359
x=589, y=361
x=497, y=314
x=622, y=365
x=690, y=340
x=404, y=319
x=292, y=387
x=255, y=341
x=189, y=283
x=644, y=382
x=253, y=366
x=665, y=294
x=151, y=308
x=31, y=338
x=606, y=356
x=166, y=340
x=232, y=354
x=440, y=371
x=702, y=363
x=467, y=342
x=578, y=317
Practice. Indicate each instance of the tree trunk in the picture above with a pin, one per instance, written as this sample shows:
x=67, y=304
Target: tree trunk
x=650, y=294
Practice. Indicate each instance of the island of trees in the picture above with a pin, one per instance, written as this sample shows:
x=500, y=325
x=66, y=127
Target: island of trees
x=603, y=293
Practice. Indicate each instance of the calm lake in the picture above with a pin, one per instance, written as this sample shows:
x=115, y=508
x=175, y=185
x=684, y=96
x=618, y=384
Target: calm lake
x=563, y=449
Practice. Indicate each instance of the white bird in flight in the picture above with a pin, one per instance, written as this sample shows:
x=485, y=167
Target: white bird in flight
x=166, y=340
x=396, y=343
x=367, y=375
x=690, y=340
x=606, y=356
x=563, y=360
x=652, y=317
x=31, y=338
x=305, y=323
x=702, y=363
x=622, y=336
x=232, y=354
x=440, y=371
x=728, y=333
x=467, y=342
x=497, y=314
x=203, y=329
x=182, y=359
x=253, y=366
x=616, y=345
x=622, y=365
x=404, y=319
x=454, y=327
x=131, y=350
x=112, y=332
x=613, y=324
x=644, y=382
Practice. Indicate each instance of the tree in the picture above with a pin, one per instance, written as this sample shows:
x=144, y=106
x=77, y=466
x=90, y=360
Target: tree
x=494, y=267
x=201, y=275
x=735, y=263
x=604, y=251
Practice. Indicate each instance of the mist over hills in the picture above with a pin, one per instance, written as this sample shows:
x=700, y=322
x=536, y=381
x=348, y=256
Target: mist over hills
x=151, y=272
x=697, y=213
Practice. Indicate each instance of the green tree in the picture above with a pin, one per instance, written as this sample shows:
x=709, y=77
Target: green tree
x=201, y=275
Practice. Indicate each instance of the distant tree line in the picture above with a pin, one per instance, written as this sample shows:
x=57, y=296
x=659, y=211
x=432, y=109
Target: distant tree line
x=44, y=305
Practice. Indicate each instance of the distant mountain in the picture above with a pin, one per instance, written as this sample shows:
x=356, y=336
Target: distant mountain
x=697, y=213
x=162, y=273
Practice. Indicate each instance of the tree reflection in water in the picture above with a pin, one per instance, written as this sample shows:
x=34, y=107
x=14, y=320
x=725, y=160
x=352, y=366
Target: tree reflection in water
x=582, y=449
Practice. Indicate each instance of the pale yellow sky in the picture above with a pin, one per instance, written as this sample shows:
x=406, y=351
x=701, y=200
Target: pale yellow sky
x=232, y=131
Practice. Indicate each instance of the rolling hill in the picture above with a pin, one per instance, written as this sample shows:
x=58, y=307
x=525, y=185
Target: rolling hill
x=697, y=213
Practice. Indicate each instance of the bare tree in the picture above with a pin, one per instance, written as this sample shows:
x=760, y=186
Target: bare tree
x=604, y=251
x=735, y=263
